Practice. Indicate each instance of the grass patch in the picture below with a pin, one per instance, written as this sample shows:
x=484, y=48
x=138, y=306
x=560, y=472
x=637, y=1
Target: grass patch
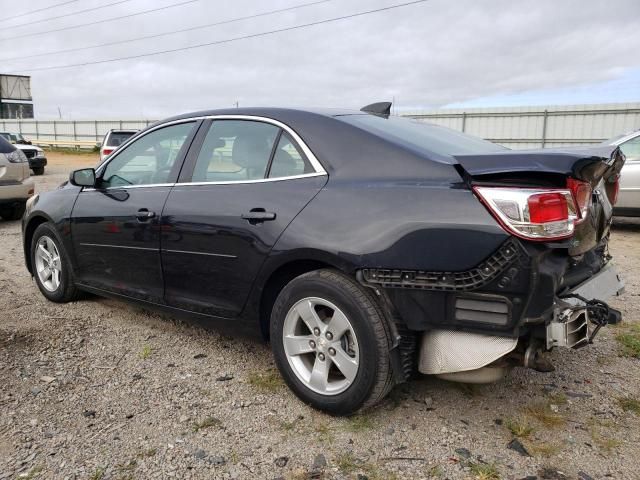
x=347, y=462
x=629, y=340
x=98, y=474
x=543, y=449
x=604, y=443
x=33, y=473
x=629, y=404
x=145, y=352
x=360, y=423
x=147, y=453
x=543, y=414
x=558, y=398
x=206, y=423
x=268, y=381
x=519, y=427
x=435, y=471
x=485, y=471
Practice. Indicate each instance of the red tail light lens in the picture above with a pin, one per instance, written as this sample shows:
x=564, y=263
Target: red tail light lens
x=581, y=192
x=532, y=213
x=547, y=207
x=107, y=151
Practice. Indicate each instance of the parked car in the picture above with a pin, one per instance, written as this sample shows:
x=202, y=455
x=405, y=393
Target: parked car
x=629, y=197
x=16, y=138
x=113, y=139
x=15, y=185
x=35, y=155
x=365, y=246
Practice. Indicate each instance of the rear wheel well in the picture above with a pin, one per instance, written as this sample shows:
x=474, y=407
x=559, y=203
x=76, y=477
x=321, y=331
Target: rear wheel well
x=277, y=282
x=34, y=223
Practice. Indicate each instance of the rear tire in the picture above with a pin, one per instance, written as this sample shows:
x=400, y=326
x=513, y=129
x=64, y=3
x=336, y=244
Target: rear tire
x=51, y=266
x=344, y=365
x=13, y=212
x=38, y=171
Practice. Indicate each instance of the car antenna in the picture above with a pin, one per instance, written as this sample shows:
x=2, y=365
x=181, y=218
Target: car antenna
x=382, y=109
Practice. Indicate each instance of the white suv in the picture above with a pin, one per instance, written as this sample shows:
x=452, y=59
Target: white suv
x=16, y=186
x=113, y=139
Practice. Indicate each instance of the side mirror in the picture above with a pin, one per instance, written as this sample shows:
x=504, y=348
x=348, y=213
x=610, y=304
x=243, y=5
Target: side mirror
x=83, y=178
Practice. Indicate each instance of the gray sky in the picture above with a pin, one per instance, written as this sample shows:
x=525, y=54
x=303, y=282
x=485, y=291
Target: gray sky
x=433, y=54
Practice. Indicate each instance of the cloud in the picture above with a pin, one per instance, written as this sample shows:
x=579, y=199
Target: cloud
x=426, y=55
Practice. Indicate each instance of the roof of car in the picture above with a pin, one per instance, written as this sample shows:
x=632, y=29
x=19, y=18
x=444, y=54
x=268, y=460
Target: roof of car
x=269, y=112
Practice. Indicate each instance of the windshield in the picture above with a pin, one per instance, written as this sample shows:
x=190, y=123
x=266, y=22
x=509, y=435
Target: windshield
x=115, y=139
x=423, y=136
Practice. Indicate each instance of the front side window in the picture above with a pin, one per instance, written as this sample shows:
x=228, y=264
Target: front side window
x=235, y=151
x=631, y=149
x=149, y=159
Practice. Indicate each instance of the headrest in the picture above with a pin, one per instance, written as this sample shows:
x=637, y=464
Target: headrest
x=250, y=151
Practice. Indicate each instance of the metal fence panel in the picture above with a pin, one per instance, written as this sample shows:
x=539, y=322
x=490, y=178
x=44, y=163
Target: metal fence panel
x=514, y=127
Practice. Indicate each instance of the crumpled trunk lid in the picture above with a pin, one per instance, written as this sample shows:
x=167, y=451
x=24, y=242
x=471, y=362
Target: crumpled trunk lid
x=598, y=165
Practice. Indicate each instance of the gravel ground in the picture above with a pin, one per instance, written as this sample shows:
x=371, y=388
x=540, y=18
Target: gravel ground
x=101, y=389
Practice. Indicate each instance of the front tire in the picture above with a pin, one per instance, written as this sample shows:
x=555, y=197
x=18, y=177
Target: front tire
x=38, y=171
x=51, y=266
x=331, y=342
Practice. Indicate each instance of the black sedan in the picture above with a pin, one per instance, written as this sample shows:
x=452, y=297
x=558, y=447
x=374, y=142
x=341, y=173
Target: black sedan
x=364, y=246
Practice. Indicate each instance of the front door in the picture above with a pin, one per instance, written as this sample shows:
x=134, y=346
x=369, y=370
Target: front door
x=243, y=187
x=115, y=226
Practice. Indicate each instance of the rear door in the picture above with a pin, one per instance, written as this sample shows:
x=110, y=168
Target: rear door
x=243, y=183
x=115, y=226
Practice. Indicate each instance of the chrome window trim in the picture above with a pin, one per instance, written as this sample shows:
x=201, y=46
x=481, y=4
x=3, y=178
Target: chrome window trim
x=258, y=180
x=315, y=163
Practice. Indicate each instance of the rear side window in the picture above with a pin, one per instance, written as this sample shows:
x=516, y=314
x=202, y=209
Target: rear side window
x=288, y=160
x=235, y=151
x=422, y=136
x=115, y=139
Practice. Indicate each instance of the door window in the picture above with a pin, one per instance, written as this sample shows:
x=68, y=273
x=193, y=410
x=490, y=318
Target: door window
x=631, y=149
x=288, y=160
x=235, y=150
x=149, y=159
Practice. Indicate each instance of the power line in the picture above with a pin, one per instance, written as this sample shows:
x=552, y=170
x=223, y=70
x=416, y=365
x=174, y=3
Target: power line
x=228, y=40
x=30, y=12
x=173, y=32
x=144, y=12
x=77, y=12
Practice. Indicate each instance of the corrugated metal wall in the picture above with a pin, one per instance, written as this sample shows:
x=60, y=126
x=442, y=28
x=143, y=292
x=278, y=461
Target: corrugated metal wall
x=535, y=127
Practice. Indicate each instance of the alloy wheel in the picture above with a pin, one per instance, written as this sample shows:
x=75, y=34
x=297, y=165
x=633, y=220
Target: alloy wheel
x=48, y=263
x=321, y=346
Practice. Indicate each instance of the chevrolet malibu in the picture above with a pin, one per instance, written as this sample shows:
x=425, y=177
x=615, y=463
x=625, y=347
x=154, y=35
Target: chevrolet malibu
x=366, y=247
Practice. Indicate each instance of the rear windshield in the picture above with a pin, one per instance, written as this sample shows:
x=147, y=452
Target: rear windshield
x=423, y=136
x=115, y=139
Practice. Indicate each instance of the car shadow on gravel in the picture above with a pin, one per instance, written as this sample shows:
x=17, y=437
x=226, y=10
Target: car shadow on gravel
x=627, y=224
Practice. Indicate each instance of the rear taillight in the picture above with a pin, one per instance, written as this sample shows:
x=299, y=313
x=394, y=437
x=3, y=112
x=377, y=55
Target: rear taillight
x=107, y=151
x=581, y=192
x=532, y=213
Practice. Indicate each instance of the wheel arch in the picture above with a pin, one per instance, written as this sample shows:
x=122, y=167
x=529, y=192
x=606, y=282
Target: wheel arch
x=277, y=276
x=34, y=222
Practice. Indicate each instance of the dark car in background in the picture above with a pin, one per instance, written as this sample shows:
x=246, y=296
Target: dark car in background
x=364, y=246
